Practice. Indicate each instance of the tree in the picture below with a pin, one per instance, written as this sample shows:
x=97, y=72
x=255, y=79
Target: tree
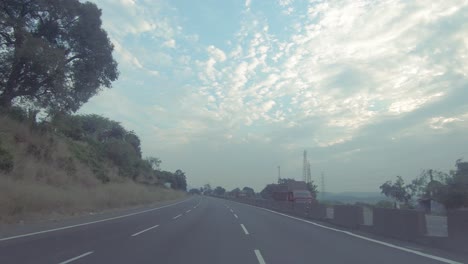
x=235, y=192
x=312, y=189
x=398, y=190
x=133, y=140
x=207, y=187
x=285, y=180
x=54, y=55
x=454, y=193
x=219, y=191
x=194, y=191
x=180, y=180
x=384, y=204
x=428, y=184
x=124, y=157
x=267, y=192
x=154, y=162
x=249, y=191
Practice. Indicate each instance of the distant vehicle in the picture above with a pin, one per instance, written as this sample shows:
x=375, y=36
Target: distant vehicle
x=241, y=194
x=302, y=196
x=293, y=192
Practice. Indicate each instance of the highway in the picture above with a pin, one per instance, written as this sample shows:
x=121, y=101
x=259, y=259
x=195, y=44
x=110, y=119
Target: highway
x=205, y=230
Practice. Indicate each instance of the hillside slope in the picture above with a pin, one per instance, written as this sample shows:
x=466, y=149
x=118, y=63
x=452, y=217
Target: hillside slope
x=45, y=174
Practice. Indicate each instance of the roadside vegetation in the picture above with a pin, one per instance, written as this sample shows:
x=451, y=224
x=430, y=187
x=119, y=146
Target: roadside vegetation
x=54, y=57
x=75, y=164
x=449, y=189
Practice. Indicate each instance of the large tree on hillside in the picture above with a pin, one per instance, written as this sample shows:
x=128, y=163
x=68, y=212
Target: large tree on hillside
x=54, y=54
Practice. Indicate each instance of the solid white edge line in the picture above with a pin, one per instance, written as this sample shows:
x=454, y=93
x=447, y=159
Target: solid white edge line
x=235, y=216
x=188, y=211
x=363, y=237
x=259, y=256
x=177, y=216
x=92, y=222
x=77, y=257
x=142, y=231
x=245, y=229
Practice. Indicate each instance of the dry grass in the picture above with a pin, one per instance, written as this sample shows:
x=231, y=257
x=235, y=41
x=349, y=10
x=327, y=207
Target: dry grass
x=25, y=200
x=47, y=180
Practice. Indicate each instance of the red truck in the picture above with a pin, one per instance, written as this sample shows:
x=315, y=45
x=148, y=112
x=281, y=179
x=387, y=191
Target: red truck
x=293, y=192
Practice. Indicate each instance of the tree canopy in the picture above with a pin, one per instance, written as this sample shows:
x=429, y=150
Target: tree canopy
x=249, y=191
x=397, y=190
x=450, y=189
x=54, y=54
x=220, y=191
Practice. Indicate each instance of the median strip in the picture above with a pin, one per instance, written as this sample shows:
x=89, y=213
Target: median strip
x=77, y=257
x=136, y=234
x=259, y=256
x=245, y=229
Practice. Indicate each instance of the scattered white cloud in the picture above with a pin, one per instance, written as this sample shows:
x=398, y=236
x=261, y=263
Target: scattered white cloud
x=171, y=43
x=441, y=122
x=329, y=73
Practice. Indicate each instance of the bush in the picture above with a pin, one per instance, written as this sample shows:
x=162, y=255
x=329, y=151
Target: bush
x=124, y=156
x=384, y=204
x=6, y=160
x=15, y=113
x=91, y=155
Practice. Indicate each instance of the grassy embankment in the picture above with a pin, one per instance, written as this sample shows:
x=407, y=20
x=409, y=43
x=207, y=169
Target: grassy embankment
x=46, y=175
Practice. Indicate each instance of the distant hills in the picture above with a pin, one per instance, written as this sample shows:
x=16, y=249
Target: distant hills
x=353, y=197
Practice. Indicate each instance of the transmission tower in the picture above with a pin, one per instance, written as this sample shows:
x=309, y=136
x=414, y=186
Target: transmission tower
x=309, y=176
x=322, y=191
x=304, y=167
x=279, y=173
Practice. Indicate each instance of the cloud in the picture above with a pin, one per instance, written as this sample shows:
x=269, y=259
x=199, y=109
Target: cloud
x=170, y=43
x=216, y=53
x=330, y=76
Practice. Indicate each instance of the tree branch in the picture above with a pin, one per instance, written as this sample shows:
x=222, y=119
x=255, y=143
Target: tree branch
x=79, y=56
x=7, y=38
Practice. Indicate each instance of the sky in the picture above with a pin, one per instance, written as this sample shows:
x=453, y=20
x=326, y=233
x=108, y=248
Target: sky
x=229, y=90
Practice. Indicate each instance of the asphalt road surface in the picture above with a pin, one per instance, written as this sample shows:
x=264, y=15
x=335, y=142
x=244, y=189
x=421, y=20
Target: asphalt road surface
x=206, y=230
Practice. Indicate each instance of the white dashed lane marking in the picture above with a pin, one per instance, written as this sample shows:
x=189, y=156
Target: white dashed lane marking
x=245, y=229
x=177, y=216
x=77, y=257
x=259, y=256
x=142, y=231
